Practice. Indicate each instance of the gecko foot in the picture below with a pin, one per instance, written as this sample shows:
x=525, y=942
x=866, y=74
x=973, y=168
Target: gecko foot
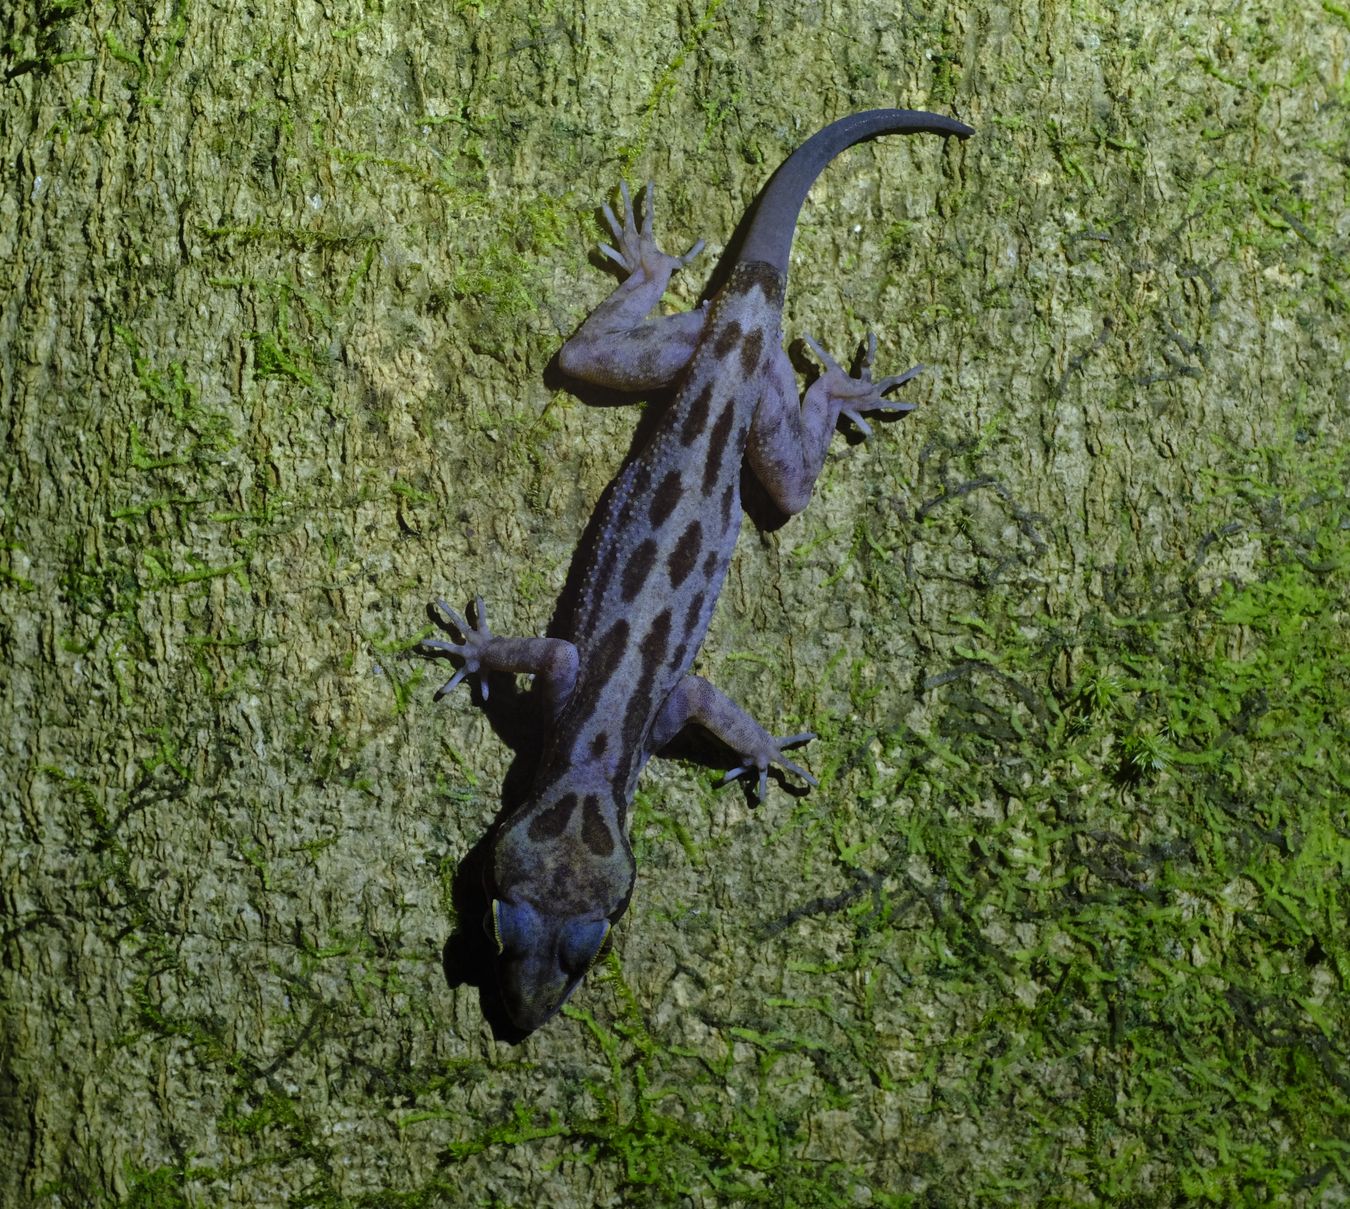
x=772, y=755
x=475, y=641
x=853, y=394
x=638, y=252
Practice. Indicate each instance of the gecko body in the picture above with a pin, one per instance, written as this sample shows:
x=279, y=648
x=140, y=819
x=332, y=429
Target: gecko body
x=616, y=683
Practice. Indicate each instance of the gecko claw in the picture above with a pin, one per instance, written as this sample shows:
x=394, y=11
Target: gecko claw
x=635, y=250
x=770, y=757
x=854, y=394
x=474, y=642
x=449, y=686
x=692, y=253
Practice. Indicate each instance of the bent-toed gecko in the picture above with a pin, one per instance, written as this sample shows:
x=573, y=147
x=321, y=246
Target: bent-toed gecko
x=616, y=684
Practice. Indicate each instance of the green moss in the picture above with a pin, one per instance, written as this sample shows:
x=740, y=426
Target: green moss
x=36, y=46
x=1172, y=850
x=152, y=62
x=166, y=1187
x=504, y=276
x=1066, y=921
x=630, y=153
x=1181, y=806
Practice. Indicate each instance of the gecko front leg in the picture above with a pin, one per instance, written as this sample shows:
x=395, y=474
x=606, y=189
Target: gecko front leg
x=552, y=661
x=695, y=700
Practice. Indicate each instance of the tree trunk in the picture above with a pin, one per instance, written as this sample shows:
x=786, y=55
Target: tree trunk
x=1066, y=916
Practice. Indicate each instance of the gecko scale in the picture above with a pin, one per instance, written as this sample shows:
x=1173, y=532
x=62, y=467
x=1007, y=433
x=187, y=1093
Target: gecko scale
x=616, y=683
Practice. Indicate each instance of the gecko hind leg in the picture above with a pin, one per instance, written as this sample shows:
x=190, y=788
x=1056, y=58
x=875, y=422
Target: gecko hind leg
x=852, y=394
x=620, y=345
x=789, y=439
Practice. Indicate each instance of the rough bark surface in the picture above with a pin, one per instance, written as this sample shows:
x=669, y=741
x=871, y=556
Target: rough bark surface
x=279, y=287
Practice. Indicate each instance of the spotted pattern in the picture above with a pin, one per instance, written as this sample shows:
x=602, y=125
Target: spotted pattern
x=640, y=478
x=595, y=832
x=685, y=554
x=609, y=653
x=727, y=339
x=697, y=419
x=750, y=352
x=638, y=567
x=649, y=570
x=717, y=444
x=653, y=648
x=694, y=611
x=664, y=499
x=598, y=584
x=764, y=277
x=549, y=824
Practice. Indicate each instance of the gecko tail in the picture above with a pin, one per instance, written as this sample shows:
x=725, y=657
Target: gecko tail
x=769, y=238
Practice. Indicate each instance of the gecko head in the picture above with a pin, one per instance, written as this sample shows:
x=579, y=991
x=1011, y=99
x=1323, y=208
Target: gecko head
x=541, y=957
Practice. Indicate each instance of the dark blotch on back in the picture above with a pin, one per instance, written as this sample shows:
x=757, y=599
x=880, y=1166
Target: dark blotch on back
x=551, y=823
x=668, y=493
x=752, y=274
x=710, y=565
x=637, y=569
x=685, y=554
x=604, y=577
x=595, y=833
x=608, y=655
x=598, y=744
x=728, y=500
x=654, y=644
x=727, y=339
x=697, y=419
x=750, y=351
x=652, y=648
x=717, y=446
x=692, y=615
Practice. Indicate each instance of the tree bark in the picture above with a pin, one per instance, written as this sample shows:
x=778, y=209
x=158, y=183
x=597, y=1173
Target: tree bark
x=281, y=286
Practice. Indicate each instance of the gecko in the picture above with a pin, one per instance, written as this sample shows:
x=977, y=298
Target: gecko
x=615, y=683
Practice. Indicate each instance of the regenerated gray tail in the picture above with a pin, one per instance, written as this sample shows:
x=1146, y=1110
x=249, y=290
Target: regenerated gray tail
x=769, y=237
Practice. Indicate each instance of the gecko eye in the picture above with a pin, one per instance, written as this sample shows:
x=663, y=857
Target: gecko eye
x=581, y=943
x=516, y=927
